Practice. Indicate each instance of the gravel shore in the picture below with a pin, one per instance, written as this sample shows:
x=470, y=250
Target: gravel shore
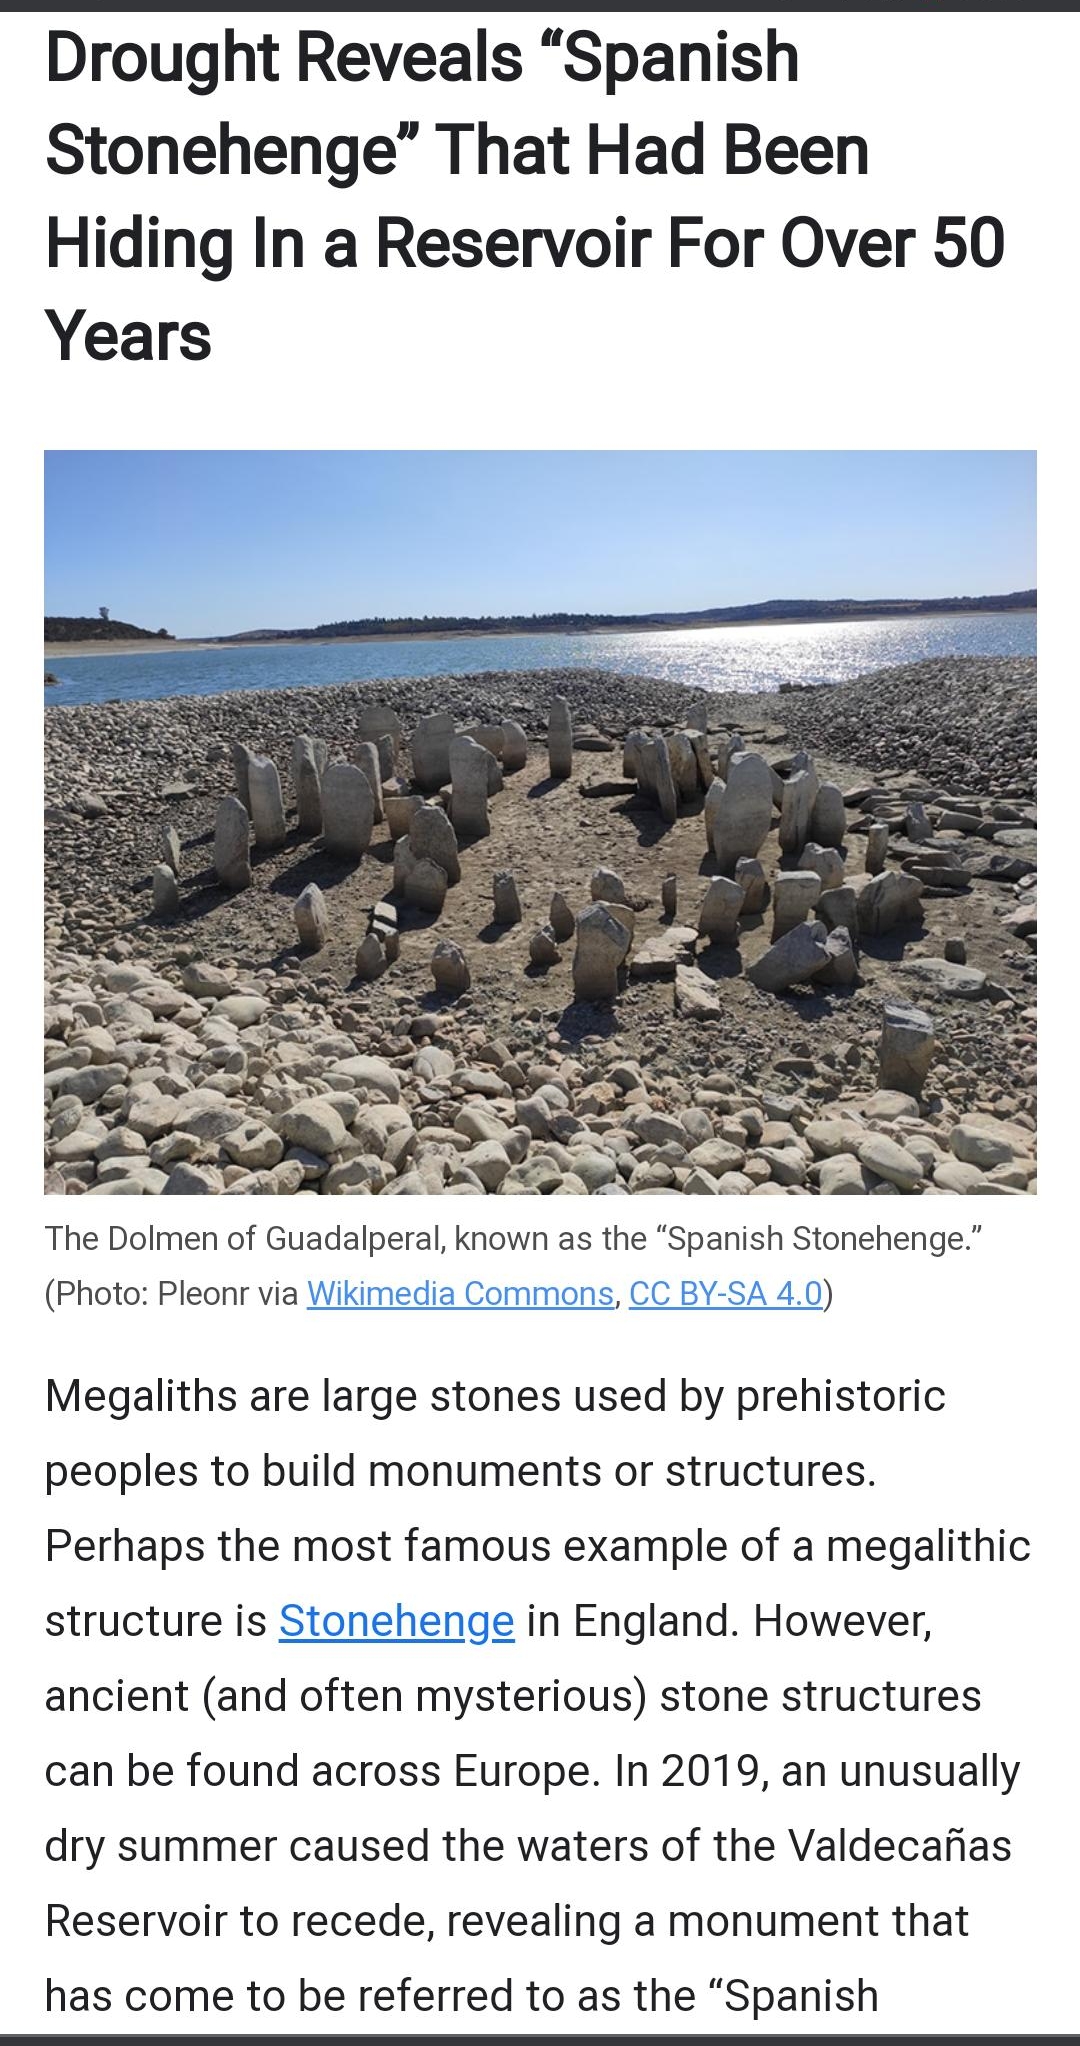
x=200, y=1050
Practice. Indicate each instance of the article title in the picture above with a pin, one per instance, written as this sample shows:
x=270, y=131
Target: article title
x=345, y=160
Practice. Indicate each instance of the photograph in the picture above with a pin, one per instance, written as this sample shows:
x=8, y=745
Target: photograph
x=511, y=823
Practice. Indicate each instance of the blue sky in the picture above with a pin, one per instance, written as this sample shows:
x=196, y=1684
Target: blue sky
x=226, y=542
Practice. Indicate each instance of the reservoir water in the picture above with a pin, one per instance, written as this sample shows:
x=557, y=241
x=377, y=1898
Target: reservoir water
x=743, y=657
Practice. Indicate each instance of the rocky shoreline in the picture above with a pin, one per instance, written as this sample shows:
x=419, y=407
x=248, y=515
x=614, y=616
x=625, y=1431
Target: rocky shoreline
x=294, y=1032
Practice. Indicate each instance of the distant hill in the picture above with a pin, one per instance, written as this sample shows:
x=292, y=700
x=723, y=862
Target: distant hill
x=60, y=629
x=775, y=609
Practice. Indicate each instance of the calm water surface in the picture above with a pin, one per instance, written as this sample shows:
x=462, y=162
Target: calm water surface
x=745, y=657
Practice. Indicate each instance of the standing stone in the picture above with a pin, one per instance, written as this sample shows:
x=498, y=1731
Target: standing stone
x=602, y=944
x=170, y=847
x=241, y=757
x=560, y=739
x=304, y=747
x=841, y=968
x=400, y=811
x=384, y=923
x=740, y=815
x=377, y=721
x=635, y=746
x=431, y=750
x=306, y=769
x=348, y=810
x=669, y=896
x=906, y=1048
x=917, y=825
x=371, y=957
x=718, y=917
x=543, y=951
x=714, y=796
x=667, y=801
x=732, y=744
x=469, y=776
x=432, y=837
x=888, y=900
x=232, y=857
x=515, y=747
x=367, y=760
x=838, y=908
x=491, y=737
x=877, y=845
x=824, y=861
x=607, y=886
x=267, y=807
x=794, y=896
x=312, y=922
x=797, y=808
x=450, y=968
x=563, y=920
x=507, y=902
x=703, y=757
x=165, y=890
x=828, y=818
x=684, y=768
x=750, y=876
x=423, y=882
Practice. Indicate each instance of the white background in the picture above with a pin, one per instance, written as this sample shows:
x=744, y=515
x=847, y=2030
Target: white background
x=963, y=114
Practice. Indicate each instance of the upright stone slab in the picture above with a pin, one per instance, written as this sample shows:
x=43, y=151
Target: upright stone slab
x=563, y=920
x=828, y=818
x=421, y=881
x=312, y=922
x=728, y=747
x=888, y=900
x=377, y=721
x=450, y=969
x=669, y=896
x=164, y=889
x=718, y=917
x=634, y=746
x=506, y=902
x=750, y=875
x=469, y=779
x=841, y=968
x=824, y=861
x=607, y=886
x=917, y=825
x=491, y=737
x=306, y=770
x=602, y=944
x=515, y=749
x=431, y=750
x=797, y=809
x=560, y=739
x=906, y=1048
x=367, y=760
x=741, y=813
x=838, y=908
x=432, y=837
x=371, y=956
x=667, y=801
x=305, y=747
x=241, y=757
x=703, y=758
x=684, y=768
x=877, y=845
x=348, y=810
x=794, y=896
x=267, y=807
x=543, y=951
x=400, y=811
x=170, y=847
x=232, y=855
